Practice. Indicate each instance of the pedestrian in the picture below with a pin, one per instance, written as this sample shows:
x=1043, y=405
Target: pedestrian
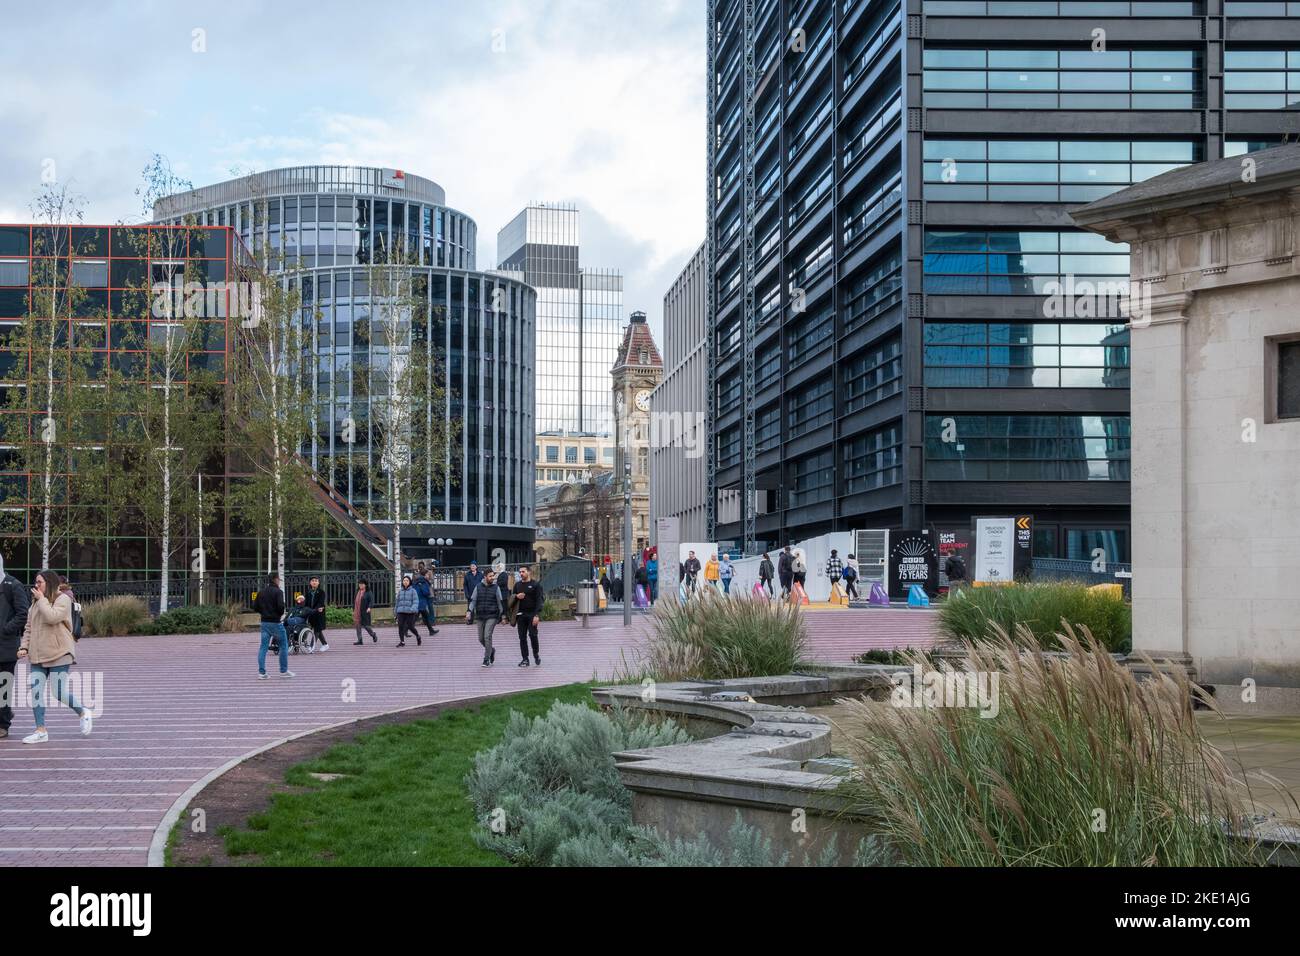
x=407, y=609
x=316, y=607
x=725, y=573
x=955, y=568
x=652, y=571
x=14, y=605
x=711, y=572
x=488, y=611
x=765, y=572
x=834, y=571
x=269, y=605
x=49, y=649
x=784, y=572
x=361, y=605
x=529, y=599
x=472, y=579
x=432, y=619
x=503, y=585
x=799, y=570
x=424, y=588
x=851, y=577
x=643, y=582
x=691, y=571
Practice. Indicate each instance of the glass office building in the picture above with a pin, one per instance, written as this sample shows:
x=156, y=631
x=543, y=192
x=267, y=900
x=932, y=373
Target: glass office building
x=479, y=325
x=900, y=302
x=578, y=319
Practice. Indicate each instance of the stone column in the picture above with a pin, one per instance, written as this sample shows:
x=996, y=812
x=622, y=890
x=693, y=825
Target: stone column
x=1159, y=489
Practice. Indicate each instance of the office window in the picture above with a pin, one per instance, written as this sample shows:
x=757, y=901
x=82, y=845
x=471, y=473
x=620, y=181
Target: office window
x=1027, y=355
x=811, y=479
x=811, y=406
x=589, y=456
x=1261, y=79
x=873, y=375
x=1044, y=170
x=552, y=453
x=1063, y=79
x=1288, y=379
x=1027, y=447
x=729, y=447
x=1082, y=544
x=767, y=428
x=1005, y=262
x=874, y=460
x=570, y=454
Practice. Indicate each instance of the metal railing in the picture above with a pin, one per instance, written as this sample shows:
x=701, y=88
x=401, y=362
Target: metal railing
x=1065, y=569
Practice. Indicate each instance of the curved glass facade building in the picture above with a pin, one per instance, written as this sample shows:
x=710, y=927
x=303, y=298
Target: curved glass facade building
x=336, y=220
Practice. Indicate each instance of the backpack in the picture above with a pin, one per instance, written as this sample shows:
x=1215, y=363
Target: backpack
x=849, y=573
x=76, y=620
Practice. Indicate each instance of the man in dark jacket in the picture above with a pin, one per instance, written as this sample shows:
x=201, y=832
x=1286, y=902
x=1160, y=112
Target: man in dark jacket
x=785, y=570
x=473, y=577
x=316, y=612
x=691, y=569
x=529, y=599
x=269, y=606
x=424, y=587
x=14, y=604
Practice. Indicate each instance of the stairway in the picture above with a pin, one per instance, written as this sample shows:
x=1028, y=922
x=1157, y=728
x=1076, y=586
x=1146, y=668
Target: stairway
x=338, y=506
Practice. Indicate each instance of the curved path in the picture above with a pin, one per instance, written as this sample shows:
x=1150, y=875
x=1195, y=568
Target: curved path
x=175, y=709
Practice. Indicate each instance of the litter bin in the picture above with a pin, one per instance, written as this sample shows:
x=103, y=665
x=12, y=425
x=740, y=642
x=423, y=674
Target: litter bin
x=586, y=604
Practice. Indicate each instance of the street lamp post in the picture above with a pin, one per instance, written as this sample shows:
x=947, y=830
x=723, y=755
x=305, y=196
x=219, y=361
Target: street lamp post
x=629, y=580
x=441, y=543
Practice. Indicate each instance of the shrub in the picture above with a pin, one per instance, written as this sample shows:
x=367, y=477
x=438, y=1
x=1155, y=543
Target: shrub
x=555, y=609
x=552, y=781
x=555, y=780
x=1040, y=608
x=1077, y=741
x=114, y=616
x=191, y=619
x=337, y=616
x=715, y=636
x=895, y=657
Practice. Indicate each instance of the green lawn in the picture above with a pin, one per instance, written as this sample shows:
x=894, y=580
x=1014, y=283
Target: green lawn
x=403, y=801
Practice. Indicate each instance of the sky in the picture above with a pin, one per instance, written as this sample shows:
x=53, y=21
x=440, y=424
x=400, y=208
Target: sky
x=501, y=102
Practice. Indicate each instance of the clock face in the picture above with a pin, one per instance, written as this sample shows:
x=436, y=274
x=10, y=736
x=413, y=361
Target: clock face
x=643, y=400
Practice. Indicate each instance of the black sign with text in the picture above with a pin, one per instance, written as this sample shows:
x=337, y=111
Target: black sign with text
x=912, y=560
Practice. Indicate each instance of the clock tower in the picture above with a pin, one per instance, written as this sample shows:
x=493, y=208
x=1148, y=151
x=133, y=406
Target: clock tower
x=637, y=371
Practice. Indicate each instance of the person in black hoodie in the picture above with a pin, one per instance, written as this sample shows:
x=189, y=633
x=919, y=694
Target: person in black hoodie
x=529, y=599
x=14, y=605
x=269, y=606
x=316, y=605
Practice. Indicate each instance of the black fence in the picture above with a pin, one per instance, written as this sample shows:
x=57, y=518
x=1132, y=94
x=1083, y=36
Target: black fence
x=1064, y=569
x=557, y=577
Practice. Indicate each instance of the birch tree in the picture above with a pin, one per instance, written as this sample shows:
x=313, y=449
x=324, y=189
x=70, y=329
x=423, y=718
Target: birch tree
x=410, y=434
x=55, y=392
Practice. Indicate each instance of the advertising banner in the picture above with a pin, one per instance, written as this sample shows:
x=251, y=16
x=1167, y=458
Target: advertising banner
x=912, y=560
x=995, y=550
x=667, y=538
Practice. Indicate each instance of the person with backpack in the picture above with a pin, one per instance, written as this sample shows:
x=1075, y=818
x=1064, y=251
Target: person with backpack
x=315, y=600
x=765, y=572
x=48, y=646
x=652, y=572
x=487, y=610
x=851, y=577
x=361, y=605
x=799, y=570
x=269, y=605
x=783, y=571
x=691, y=572
x=14, y=605
x=424, y=588
x=955, y=569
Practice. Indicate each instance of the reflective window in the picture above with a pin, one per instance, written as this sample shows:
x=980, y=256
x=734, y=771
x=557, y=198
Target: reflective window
x=1062, y=79
x=1027, y=447
x=1261, y=79
x=1007, y=262
x=1024, y=355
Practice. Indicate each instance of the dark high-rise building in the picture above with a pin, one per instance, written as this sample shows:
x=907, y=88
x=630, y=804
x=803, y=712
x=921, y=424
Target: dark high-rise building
x=906, y=328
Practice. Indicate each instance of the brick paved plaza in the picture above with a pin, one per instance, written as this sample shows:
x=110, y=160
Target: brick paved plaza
x=177, y=708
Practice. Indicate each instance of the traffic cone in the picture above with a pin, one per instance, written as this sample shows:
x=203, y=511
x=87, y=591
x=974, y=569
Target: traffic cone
x=798, y=595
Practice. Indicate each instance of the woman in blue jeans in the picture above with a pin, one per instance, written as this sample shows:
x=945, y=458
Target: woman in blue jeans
x=49, y=649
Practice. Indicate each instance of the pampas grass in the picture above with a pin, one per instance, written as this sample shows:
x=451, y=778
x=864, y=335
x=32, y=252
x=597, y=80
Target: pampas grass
x=715, y=636
x=1084, y=765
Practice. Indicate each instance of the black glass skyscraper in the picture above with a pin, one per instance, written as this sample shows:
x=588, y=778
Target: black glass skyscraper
x=906, y=329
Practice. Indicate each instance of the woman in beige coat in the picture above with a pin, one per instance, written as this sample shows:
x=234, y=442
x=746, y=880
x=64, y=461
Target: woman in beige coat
x=49, y=649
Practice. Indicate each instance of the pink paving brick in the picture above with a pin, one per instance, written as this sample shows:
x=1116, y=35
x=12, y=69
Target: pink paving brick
x=176, y=708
